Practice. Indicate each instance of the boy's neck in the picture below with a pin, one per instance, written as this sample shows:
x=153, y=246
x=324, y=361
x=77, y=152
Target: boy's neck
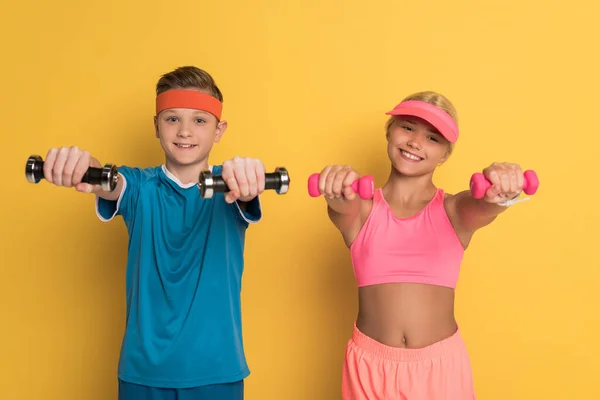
x=186, y=173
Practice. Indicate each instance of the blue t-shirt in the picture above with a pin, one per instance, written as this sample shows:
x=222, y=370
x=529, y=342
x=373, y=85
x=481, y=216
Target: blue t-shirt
x=183, y=280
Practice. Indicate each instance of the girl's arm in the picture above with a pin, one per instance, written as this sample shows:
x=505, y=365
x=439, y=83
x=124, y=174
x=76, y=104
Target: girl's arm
x=346, y=210
x=469, y=214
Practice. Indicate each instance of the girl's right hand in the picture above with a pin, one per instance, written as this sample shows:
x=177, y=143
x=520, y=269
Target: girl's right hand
x=66, y=166
x=335, y=182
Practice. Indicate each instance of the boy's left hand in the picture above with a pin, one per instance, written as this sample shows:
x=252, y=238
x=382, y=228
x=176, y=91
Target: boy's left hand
x=507, y=182
x=245, y=178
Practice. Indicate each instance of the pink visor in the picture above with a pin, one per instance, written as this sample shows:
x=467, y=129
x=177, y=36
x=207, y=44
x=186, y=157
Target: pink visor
x=437, y=117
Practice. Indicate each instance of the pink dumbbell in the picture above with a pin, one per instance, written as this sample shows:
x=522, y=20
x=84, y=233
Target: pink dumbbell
x=365, y=186
x=479, y=184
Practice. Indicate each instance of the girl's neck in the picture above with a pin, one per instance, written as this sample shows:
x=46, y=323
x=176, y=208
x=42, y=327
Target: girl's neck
x=406, y=190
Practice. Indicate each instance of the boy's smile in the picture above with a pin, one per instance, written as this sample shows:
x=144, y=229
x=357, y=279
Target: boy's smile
x=185, y=146
x=187, y=136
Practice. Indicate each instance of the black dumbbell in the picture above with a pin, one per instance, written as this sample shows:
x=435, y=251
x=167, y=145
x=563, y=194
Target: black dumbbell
x=107, y=177
x=209, y=184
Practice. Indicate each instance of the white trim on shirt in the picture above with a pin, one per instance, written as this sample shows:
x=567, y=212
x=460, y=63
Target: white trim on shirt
x=97, y=201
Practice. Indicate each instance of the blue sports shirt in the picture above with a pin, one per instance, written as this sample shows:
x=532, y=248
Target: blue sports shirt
x=183, y=280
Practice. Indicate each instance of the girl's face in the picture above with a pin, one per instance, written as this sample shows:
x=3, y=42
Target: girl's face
x=415, y=147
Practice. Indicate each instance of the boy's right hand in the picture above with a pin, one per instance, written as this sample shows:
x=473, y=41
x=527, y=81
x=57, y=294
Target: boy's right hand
x=66, y=166
x=335, y=182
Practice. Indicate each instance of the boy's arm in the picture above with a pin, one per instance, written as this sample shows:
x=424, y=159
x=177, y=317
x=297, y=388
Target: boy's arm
x=66, y=167
x=97, y=189
x=123, y=200
x=245, y=178
x=250, y=211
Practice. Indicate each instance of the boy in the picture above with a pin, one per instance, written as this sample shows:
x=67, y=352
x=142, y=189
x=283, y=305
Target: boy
x=183, y=337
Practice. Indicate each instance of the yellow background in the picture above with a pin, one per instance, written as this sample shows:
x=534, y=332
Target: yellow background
x=306, y=84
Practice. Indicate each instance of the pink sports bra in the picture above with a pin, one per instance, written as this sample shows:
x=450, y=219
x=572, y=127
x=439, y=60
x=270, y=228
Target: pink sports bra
x=421, y=249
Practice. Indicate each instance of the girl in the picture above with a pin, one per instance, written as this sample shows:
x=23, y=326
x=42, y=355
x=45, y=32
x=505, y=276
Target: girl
x=407, y=244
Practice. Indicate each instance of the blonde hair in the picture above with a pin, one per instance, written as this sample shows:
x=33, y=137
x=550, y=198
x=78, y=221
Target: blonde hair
x=433, y=98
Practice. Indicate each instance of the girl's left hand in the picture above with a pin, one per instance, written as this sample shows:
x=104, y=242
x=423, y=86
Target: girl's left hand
x=507, y=182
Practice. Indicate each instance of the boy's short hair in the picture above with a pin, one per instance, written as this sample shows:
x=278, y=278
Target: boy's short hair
x=188, y=77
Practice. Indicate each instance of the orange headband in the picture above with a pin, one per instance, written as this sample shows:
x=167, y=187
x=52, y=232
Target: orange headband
x=189, y=99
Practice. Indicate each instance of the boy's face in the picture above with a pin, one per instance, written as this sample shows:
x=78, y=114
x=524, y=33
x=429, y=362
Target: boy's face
x=187, y=135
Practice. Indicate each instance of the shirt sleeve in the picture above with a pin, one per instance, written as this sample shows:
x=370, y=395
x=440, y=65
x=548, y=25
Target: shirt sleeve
x=253, y=212
x=125, y=205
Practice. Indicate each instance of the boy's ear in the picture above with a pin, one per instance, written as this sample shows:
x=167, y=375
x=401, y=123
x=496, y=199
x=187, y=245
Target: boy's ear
x=221, y=128
x=156, y=125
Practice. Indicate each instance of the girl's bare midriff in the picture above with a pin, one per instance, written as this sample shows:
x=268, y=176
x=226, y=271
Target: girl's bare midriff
x=406, y=315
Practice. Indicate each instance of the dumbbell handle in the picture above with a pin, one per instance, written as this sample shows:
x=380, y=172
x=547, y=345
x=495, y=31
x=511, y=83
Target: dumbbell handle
x=93, y=175
x=272, y=182
x=364, y=186
x=105, y=177
x=209, y=184
x=479, y=184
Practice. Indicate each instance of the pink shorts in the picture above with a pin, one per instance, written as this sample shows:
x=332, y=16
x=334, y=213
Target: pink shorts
x=374, y=371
